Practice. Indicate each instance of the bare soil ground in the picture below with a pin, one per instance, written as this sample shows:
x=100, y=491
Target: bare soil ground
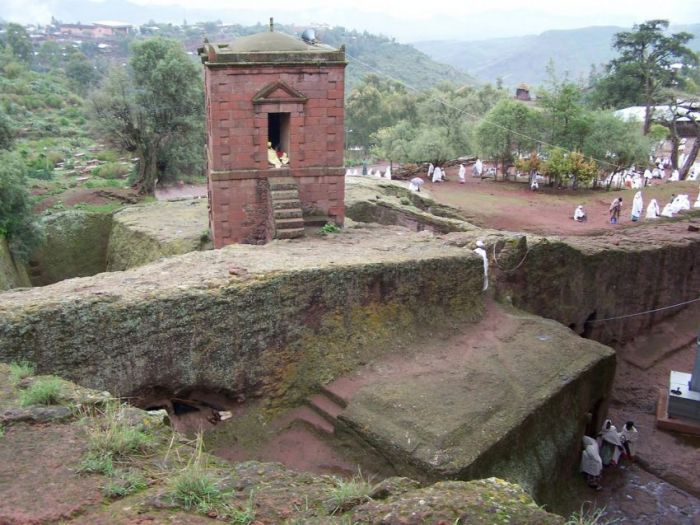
x=513, y=206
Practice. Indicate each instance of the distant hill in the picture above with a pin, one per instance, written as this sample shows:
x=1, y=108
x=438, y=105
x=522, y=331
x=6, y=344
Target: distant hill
x=525, y=58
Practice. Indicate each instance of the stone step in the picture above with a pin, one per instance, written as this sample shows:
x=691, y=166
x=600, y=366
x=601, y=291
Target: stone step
x=286, y=204
x=325, y=407
x=317, y=220
x=290, y=234
x=289, y=224
x=339, y=391
x=281, y=195
x=282, y=183
x=307, y=417
x=288, y=213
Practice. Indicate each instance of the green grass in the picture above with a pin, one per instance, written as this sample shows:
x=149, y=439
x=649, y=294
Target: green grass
x=45, y=391
x=124, y=483
x=99, y=208
x=20, y=370
x=97, y=464
x=195, y=487
x=330, y=228
x=244, y=516
x=348, y=493
x=105, y=183
x=112, y=436
x=589, y=516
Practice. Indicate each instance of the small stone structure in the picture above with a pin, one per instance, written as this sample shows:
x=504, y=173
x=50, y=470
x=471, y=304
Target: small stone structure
x=522, y=92
x=273, y=93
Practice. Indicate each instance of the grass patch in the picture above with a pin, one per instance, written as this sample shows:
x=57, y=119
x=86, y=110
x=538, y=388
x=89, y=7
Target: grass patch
x=97, y=464
x=348, y=493
x=124, y=483
x=105, y=183
x=195, y=487
x=589, y=515
x=19, y=371
x=244, y=516
x=110, y=207
x=114, y=437
x=45, y=391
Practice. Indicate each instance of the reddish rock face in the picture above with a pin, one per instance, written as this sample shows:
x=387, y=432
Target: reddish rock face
x=293, y=99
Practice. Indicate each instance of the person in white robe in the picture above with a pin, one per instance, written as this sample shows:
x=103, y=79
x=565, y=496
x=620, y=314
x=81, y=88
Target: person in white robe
x=370, y=173
x=637, y=183
x=415, y=184
x=693, y=173
x=462, y=173
x=591, y=462
x=616, y=181
x=697, y=202
x=478, y=169
x=579, y=214
x=437, y=174
x=431, y=169
x=609, y=444
x=653, y=211
x=481, y=251
x=629, y=437
x=668, y=210
x=683, y=202
x=648, y=175
x=675, y=176
x=637, y=206
x=387, y=173
x=534, y=185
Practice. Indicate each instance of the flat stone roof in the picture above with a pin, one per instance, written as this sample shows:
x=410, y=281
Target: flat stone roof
x=269, y=47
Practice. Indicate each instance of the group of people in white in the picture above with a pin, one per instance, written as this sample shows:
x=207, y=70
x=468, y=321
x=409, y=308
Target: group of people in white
x=370, y=173
x=607, y=450
x=677, y=204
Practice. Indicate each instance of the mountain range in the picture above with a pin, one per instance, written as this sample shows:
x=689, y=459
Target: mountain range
x=525, y=58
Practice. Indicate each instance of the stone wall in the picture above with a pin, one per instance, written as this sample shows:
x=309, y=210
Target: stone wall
x=272, y=322
x=76, y=246
x=581, y=280
x=12, y=275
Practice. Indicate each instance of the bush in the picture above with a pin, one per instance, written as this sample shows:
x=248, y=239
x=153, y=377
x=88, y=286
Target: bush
x=19, y=371
x=17, y=222
x=42, y=392
x=112, y=170
x=330, y=228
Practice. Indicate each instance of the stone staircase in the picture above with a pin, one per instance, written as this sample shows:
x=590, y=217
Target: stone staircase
x=319, y=414
x=286, y=208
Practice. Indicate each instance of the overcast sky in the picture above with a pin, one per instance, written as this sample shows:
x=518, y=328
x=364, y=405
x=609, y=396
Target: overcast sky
x=406, y=20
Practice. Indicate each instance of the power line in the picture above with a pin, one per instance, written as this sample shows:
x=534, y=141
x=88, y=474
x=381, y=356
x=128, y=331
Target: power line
x=476, y=117
x=644, y=313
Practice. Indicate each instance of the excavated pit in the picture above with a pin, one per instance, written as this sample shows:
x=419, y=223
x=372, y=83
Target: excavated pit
x=264, y=333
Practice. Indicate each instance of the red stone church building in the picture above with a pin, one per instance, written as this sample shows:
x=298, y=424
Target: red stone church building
x=275, y=136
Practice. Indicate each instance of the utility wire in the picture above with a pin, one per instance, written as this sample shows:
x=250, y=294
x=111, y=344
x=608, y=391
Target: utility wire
x=643, y=313
x=461, y=110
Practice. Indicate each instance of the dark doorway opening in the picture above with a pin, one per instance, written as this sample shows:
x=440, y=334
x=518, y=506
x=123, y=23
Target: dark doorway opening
x=278, y=131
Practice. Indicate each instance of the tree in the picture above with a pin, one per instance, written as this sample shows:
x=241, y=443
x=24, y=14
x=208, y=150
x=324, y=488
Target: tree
x=566, y=119
x=81, y=72
x=17, y=40
x=615, y=144
x=508, y=131
x=7, y=133
x=155, y=105
x=17, y=223
x=646, y=55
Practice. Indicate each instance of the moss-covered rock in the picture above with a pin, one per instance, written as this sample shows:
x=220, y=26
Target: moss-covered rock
x=75, y=246
x=147, y=232
x=272, y=321
x=12, y=275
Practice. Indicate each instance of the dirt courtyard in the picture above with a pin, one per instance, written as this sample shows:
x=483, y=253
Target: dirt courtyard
x=513, y=206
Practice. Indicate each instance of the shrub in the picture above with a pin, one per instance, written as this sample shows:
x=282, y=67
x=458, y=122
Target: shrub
x=112, y=170
x=19, y=371
x=44, y=391
x=589, y=516
x=97, y=464
x=330, y=228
